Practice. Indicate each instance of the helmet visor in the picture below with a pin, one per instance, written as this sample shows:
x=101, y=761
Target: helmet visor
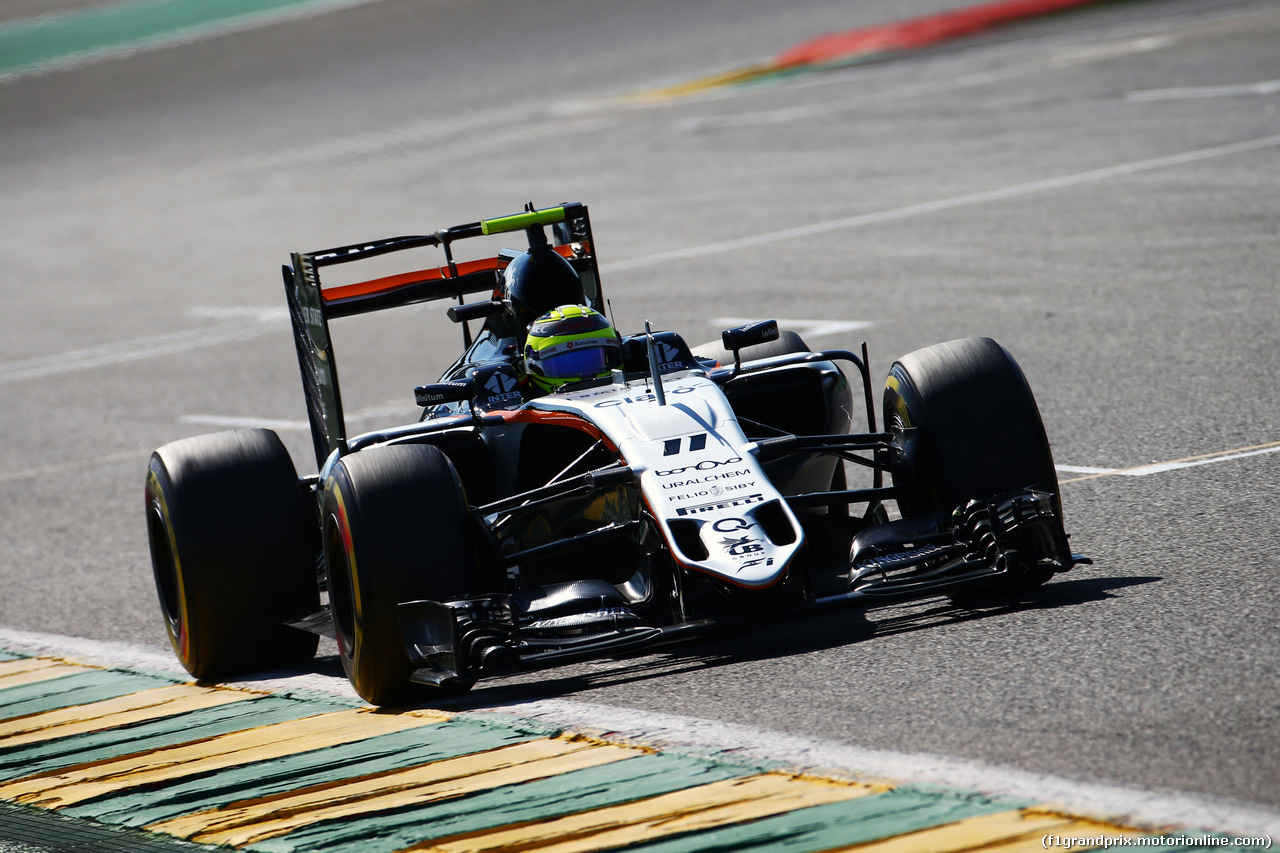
x=580, y=363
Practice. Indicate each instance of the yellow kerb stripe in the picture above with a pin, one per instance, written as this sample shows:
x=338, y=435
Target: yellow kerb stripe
x=975, y=833
x=691, y=810
x=73, y=785
x=1071, y=827
x=1005, y=832
x=141, y=707
x=15, y=673
x=705, y=84
x=454, y=777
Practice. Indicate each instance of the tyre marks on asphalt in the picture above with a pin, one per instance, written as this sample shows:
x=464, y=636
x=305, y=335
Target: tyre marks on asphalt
x=268, y=772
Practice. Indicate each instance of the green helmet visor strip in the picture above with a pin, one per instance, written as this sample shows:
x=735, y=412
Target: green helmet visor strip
x=568, y=344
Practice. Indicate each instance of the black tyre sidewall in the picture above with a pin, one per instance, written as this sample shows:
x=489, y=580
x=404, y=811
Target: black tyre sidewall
x=231, y=553
x=977, y=429
x=395, y=529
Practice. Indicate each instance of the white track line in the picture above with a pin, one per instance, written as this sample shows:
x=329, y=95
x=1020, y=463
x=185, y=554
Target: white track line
x=805, y=328
x=1172, y=465
x=182, y=341
x=236, y=422
x=1127, y=805
x=379, y=413
x=65, y=467
x=1269, y=87
x=124, y=351
x=939, y=205
x=235, y=324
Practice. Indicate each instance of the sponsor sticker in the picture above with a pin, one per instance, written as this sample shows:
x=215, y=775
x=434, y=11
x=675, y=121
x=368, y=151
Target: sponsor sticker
x=699, y=509
x=643, y=398
x=668, y=357
x=501, y=387
x=714, y=490
x=742, y=547
x=704, y=465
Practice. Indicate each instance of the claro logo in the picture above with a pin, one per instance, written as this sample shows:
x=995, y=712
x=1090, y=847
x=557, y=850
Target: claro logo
x=704, y=465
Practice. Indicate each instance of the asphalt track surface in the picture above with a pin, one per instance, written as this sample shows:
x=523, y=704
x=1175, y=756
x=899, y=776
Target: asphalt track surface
x=1095, y=190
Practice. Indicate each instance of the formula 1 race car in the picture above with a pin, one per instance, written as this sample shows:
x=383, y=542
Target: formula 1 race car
x=572, y=492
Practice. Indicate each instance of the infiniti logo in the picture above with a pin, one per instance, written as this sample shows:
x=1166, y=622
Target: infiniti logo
x=704, y=465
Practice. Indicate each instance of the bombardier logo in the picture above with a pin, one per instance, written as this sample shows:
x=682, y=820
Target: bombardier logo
x=704, y=465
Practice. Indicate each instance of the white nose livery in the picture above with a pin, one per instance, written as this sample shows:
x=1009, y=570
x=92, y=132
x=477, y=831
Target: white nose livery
x=698, y=474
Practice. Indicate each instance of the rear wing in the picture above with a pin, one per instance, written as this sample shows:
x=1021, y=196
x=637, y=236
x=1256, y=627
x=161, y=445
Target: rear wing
x=312, y=305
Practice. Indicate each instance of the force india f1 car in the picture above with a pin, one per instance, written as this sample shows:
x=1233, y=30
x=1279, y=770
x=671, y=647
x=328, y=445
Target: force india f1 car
x=685, y=488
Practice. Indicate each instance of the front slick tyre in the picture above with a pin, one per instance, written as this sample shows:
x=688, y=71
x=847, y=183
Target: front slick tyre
x=231, y=552
x=969, y=428
x=396, y=529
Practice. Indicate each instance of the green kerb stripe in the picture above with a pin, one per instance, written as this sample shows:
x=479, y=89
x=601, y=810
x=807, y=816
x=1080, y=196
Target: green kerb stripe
x=281, y=775
x=857, y=821
x=48, y=39
x=80, y=688
x=579, y=790
x=156, y=734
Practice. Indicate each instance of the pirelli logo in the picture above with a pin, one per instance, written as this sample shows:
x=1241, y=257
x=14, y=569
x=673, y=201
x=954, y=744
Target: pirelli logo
x=699, y=509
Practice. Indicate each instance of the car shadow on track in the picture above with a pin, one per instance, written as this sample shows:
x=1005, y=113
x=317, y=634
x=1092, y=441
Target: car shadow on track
x=796, y=635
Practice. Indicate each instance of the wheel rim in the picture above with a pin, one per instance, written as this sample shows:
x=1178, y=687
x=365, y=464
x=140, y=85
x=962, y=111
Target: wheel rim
x=165, y=568
x=341, y=600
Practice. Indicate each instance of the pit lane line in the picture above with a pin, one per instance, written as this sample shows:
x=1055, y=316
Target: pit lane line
x=1011, y=802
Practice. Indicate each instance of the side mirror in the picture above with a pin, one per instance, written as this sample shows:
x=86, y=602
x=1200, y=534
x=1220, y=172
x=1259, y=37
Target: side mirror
x=738, y=339
x=749, y=335
x=444, y=392
x=473, y=311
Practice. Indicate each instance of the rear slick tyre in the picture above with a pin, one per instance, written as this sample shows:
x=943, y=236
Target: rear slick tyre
x=396, y=528
x=231, y=553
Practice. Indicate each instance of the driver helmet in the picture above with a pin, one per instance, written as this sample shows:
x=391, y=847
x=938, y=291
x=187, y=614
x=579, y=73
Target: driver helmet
x=539, y=280
x=569, y=344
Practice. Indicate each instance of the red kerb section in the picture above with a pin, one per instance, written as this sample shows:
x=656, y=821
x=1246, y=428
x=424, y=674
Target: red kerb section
x=918, y=32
